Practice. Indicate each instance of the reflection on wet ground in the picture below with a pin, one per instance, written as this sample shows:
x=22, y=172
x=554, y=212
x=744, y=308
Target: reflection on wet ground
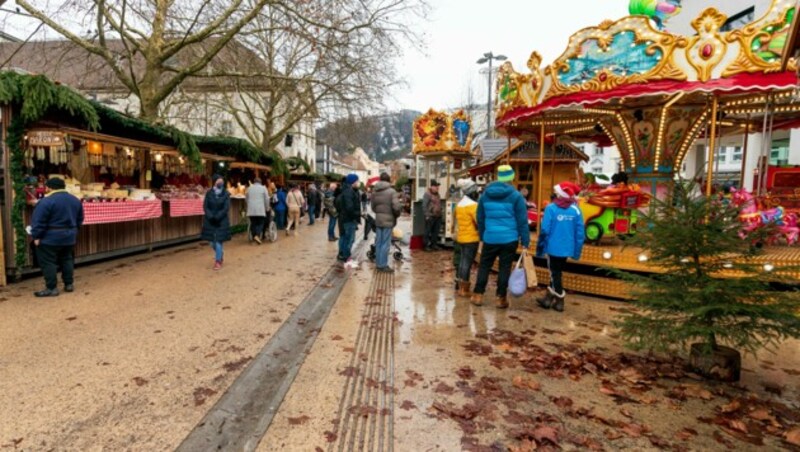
x=478, y=378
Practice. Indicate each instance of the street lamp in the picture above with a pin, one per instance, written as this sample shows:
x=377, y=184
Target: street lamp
x=489, y=57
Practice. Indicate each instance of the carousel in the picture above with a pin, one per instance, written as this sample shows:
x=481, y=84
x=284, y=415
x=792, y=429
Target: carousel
x=441, y=145
x=655, y=95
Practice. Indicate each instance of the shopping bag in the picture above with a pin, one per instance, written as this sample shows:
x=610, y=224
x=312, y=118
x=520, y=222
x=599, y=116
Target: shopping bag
x=530, y=270
x=518, y=282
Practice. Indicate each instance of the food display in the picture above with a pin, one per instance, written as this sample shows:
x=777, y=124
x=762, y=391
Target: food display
x=237, y=191
x=170, y=192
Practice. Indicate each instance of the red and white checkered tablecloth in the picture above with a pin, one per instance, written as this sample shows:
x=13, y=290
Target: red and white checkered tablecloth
x=185, y=207
x=118, y=212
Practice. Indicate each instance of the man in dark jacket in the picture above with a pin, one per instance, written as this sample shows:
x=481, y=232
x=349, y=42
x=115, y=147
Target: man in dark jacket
x=216, y=223
x=54, y=228
x=502, y=226
x=432, y=208
x=348, y=206
x=387, y=207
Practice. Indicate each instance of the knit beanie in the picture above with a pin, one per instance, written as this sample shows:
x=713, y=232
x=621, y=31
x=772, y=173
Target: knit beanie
x=351, y=179
x=505, y=173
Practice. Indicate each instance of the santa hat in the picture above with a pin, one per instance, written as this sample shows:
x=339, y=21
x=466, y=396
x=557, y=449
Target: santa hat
x=567, y=189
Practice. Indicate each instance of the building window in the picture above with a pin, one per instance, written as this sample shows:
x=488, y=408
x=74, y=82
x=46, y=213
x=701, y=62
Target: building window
x=597, y=170
x=722, y=156
x=598, y=151
x=226, y=128
x=737, y=154
x=780, y=153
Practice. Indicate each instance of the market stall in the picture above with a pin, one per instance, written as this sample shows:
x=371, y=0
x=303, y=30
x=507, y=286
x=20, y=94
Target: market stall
x=653, y=94
x=141, y=186
x=441, y=144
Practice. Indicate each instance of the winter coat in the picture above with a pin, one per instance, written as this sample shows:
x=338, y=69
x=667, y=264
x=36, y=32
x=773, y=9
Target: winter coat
x=348, y=205
x=315, y=199
x=431, y=205
x=258, y=203
x=56, y=219
x=281, y=205
x=562, y=232
x=467, y=221
x=295, y=200
x=330, y=203
x=503, y=216
x=386, y=204
x=216, y=223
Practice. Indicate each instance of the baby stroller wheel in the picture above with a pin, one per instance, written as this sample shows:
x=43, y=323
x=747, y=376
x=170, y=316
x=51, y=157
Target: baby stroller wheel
x=398, y=255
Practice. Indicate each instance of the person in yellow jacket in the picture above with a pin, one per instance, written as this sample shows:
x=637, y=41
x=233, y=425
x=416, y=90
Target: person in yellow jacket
x=467, y=233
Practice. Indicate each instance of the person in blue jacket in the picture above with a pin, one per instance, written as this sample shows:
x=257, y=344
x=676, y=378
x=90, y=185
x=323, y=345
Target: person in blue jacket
x=561, y=237
x=502, y=226
x=280, y=208
x=54, y=228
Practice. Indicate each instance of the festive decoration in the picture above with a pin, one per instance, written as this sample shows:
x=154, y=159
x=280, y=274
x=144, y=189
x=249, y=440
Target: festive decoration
x=773, y=225
x=658, y=10
x=438, y=132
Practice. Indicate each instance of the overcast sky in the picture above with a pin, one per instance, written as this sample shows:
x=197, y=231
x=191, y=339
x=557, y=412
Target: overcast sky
x=458, y=32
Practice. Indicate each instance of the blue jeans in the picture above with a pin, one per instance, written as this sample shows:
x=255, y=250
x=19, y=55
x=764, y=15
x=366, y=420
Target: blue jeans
x=346, y=240
x=311, y=209
x=280, y=219
x=383, y=239
x=331, y=227
x=217, y=247
x=468, y=253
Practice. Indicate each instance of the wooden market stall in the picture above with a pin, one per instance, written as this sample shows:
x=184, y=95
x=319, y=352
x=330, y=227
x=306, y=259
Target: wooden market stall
x=142, y=186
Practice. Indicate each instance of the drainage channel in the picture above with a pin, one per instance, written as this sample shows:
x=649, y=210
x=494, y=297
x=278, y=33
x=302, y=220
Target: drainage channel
x=241, y=417
x=366, y=418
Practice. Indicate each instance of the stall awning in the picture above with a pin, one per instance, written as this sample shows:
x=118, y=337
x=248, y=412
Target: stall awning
x=253, y=166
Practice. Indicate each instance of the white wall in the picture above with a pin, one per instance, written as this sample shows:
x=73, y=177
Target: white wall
x=601, y=160
x=681, y=24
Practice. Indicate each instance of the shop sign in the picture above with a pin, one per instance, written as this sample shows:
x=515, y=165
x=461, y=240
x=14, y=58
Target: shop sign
x=37, y=138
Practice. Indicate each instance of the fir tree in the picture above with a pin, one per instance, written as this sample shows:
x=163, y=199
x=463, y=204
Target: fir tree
x=713, y=289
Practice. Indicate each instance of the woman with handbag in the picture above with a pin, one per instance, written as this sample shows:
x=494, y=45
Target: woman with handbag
x=294, y=203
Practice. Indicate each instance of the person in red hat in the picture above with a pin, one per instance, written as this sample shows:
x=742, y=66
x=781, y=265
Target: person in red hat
x=561, y=235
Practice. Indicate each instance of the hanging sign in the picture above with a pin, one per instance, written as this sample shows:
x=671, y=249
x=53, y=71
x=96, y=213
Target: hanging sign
x=48, y=138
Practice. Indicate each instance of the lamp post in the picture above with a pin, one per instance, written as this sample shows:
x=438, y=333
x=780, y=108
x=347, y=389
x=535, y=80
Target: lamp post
x=489, y=57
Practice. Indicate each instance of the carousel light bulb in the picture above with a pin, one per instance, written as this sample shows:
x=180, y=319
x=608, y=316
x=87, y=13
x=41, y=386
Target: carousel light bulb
x=685, y=260
x=727, y=265
x=769, y=268
x=607, y=255
x=643, y=258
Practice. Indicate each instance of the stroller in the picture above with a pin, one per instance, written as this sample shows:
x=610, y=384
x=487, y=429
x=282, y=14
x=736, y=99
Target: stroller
x=370, y=226
x=270, y=233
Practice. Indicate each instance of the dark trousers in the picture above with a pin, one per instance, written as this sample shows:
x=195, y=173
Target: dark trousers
x=50, y=258
x=468, y=253
x=311, y=213
x=506, y=253
x=257, y=226
x=432, y=227
x=347, y=236
x=280, y=219
x=556, y=266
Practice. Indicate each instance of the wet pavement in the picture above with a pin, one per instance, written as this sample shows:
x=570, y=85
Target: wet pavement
x=399, y=364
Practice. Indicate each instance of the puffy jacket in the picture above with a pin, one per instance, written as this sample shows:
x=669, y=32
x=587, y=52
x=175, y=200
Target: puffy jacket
x=467, y=221
x=56, y=219
x=216, y=222
x=385, y=204
x=562, y=232
x=348, y=205
x=503, y=216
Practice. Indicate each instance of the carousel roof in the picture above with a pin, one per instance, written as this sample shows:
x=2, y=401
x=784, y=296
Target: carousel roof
x=650, y=92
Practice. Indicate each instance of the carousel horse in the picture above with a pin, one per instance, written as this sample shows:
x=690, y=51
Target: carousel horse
x=753, y=218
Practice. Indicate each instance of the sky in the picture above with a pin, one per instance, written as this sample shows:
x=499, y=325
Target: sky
x=458, y=32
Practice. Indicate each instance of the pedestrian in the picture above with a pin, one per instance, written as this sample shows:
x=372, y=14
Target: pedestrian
x=467, y=235
x=502, y=226
x=258, y=206
x=364, y=199
x=216, y=222
x=432, y=208
x=311, y=200
x=330, y=207
x=387, y=207
x=280, y=208
x=318, y=202
x=54, y=229
x=348, y=208
x=561, y=236
x=294, y=204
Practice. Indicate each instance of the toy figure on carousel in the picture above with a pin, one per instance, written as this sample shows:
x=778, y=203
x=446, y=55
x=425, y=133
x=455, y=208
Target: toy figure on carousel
x=753, y=219
x=660, y=11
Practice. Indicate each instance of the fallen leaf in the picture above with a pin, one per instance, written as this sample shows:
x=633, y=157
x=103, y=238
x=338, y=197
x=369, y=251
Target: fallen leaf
x=612, y=435
x=626, y=413
x=698, y=392
x=686, y=434
x=408, y=405
x=525, y=446
x=545, y=432
x=337, y=338
x=298, y=420
x=738, y=425
x=761, y=414
x=330, y=436
x=731, y=407
x=793, y=436
x=69, y=319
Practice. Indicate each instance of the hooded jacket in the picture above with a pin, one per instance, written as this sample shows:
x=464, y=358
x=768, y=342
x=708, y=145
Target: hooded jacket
x=385, y=204
x=348, y=206
x=503, y=216
x=562, y=232
x=216, y=222
x=467, y=221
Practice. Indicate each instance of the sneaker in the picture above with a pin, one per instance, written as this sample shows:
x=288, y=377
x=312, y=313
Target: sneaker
x=69, y=288
x=46, y=293
x=257, y=239
x=217, y=265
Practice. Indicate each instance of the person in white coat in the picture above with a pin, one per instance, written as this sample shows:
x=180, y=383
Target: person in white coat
x=258, y=206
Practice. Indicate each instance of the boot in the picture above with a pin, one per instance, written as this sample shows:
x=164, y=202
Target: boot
x=476, y=299
x=501, y=301
x=463, y=289
x=559, y=301
x=546, y=302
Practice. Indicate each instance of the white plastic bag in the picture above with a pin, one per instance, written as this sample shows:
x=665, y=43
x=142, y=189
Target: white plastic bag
x=518, y=282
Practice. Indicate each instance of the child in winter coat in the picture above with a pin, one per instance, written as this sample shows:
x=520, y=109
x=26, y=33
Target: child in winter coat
x=467, y=236
x=561, y=236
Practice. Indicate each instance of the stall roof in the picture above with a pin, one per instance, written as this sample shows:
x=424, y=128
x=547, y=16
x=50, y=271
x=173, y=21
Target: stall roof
x=254, y=166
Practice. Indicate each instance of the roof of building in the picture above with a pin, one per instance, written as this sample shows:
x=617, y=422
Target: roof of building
x=491, y=148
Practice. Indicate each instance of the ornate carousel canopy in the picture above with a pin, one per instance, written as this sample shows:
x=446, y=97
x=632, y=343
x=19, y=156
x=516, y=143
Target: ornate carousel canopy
x=652, y=93
x=437, y=133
